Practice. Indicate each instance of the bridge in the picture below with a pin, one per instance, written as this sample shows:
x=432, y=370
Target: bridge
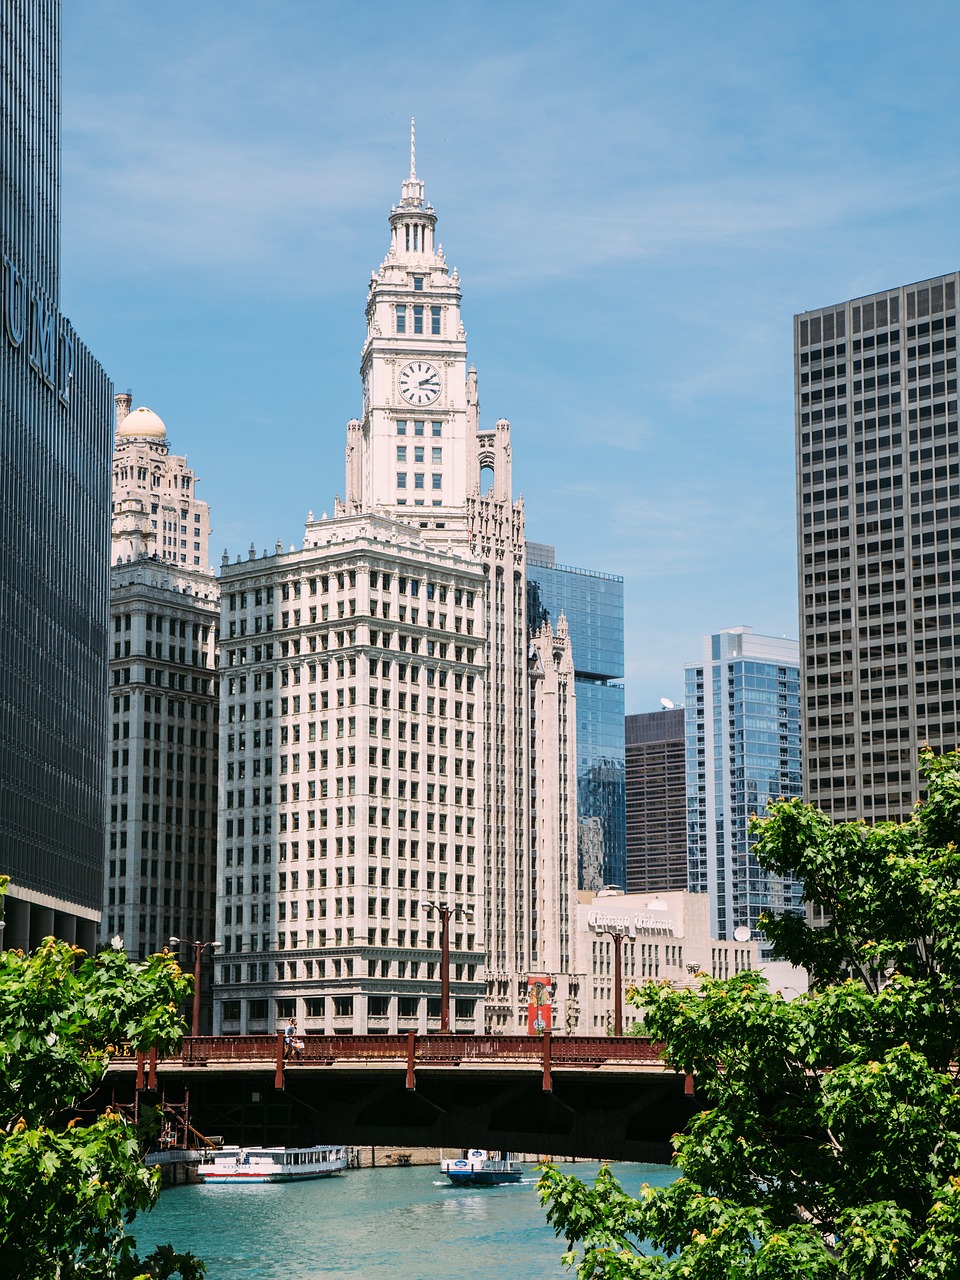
x=589, y=1096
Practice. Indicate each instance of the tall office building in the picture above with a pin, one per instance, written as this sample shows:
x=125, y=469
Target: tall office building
x=165, y=608
x=592, y=604
x=379, y=704
x=56, y=410
x=742, y=722
x=878, y=515
x=656, y=801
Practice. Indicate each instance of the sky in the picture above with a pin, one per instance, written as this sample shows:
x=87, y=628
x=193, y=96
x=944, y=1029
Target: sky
x=638, y=197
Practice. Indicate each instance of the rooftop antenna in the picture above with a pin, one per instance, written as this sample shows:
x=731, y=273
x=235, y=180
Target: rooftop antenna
x=667, y=704
x=413, y=147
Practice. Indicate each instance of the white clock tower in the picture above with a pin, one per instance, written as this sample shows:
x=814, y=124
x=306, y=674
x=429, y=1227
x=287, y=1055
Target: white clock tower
x=414, y=451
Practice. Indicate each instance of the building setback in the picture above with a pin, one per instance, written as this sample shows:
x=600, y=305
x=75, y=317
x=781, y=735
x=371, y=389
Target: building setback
x=160, y=868
x=56, y=410
x=742, y=724
x=878, y=520
x=378, y=710
x=656, y=801
x=592, y=604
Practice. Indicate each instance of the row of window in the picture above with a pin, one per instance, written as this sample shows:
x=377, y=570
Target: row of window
x=418, y=314
x=419, y=480
x=418, y=453
x=419, y=428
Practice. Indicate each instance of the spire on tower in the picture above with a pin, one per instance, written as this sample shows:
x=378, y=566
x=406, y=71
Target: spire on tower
x=411, y=195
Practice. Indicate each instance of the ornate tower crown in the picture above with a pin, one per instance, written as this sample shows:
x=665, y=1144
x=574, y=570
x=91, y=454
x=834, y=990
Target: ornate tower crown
x=412, y=222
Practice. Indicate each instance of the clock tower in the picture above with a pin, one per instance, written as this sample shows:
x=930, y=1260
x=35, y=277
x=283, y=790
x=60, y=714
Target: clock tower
x=413, y=452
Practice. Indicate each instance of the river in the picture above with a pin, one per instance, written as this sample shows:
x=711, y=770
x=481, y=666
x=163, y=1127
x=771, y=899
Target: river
x=405, y=1224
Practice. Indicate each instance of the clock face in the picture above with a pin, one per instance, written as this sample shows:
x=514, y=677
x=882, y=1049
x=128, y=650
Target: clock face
x=419, y=382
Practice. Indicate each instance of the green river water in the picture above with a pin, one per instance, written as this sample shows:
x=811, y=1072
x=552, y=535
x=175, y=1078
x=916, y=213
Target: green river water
x=405, y=1224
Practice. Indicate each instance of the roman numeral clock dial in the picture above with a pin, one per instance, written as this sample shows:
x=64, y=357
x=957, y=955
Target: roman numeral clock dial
x=419, y=383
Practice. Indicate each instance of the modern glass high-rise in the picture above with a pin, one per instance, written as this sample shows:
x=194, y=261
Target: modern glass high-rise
x=742, y=720
x=878, y=530
x=56, y=403
x=593, y=605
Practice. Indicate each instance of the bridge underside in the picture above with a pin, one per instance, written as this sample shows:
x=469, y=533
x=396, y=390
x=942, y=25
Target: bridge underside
x=595, y=1115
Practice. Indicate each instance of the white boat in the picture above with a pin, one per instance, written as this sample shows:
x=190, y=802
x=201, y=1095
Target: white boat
x=271, y=1164
x=478, y=1168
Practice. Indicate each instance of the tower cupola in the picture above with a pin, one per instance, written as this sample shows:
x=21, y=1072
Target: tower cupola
x=412, y=222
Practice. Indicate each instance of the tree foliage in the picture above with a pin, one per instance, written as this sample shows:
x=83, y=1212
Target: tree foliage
x=829, y=1146
x=69, y=1187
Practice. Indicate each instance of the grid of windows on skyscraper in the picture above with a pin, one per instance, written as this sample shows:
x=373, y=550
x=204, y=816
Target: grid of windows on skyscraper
x=593, y=605
x=878, y=525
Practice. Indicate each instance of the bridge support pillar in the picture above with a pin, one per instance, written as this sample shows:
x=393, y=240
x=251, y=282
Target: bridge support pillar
x=411, y=1059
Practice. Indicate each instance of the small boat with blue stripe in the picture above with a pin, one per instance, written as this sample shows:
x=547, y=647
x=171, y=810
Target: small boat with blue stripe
x=477, y=1168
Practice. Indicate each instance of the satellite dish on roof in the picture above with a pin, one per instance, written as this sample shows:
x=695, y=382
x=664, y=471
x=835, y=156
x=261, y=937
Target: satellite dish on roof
x=667, y=704
x=741, y=933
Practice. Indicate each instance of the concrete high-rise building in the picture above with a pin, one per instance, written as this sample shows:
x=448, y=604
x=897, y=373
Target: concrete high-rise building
x=592, y=604
x=163, y=701
x=878, y=512
x=742, y=723
x=55, y=402
x=380, y=708
x=656, y=801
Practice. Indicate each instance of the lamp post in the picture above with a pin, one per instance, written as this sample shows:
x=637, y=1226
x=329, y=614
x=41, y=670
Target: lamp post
x=198, y=950
x=617, y=937
x=444, y=911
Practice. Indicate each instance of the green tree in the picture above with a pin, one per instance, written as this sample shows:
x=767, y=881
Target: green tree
x=69, y=1187
x=830, y=1141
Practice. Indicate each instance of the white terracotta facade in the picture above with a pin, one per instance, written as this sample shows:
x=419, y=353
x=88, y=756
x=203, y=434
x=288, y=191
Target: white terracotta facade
x=161, y=814
x=377, y=716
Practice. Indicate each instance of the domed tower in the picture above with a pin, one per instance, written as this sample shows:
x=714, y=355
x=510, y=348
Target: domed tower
x=155, y=510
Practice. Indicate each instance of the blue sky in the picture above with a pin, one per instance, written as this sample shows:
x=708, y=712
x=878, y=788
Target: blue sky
x=638, y=198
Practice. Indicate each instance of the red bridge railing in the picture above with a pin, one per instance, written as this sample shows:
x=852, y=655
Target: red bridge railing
x=325, y=1050
x=545, y=1053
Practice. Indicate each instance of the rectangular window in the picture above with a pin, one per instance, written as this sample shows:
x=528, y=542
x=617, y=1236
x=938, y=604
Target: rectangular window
x=418, y=428
x=435, y=320
x=401, y=427
x=437, y=428
x=437, y=481
x=418, y=480
x=418, y=319
x=401, y=479
x=418, y=452
x=402, y=453
x=437, y=455
x=401, y=311
x=418, y=284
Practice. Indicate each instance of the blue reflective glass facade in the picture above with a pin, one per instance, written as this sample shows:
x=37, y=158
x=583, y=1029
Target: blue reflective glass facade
x=742, y=728
x=593, y=605
x=56, y=406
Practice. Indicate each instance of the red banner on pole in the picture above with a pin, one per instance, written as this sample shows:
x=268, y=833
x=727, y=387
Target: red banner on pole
x=539, y=1004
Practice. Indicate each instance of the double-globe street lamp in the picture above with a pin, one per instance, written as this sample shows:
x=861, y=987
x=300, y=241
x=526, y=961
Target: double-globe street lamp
x=445, y=912
x=198, y=950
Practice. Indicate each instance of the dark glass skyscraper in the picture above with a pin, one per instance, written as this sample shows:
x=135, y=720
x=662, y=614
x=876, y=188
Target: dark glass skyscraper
x=56, y=405
x=656, y=792
x=593, y=604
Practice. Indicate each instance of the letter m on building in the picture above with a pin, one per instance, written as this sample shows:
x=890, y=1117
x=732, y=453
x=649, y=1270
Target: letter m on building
x=43, y=340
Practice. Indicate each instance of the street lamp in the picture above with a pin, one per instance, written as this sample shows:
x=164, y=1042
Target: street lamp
x=198, y=950
x=444, y=911
x=618, y=936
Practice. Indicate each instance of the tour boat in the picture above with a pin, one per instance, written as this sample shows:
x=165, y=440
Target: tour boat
x=482, y=1168
x=271, y=1164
